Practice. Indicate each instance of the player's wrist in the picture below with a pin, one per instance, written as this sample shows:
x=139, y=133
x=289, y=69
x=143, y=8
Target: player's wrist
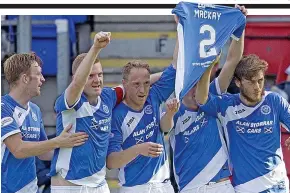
x=138, y=149
x=56, y=142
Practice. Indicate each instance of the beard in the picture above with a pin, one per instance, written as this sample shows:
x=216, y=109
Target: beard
x=245, y=94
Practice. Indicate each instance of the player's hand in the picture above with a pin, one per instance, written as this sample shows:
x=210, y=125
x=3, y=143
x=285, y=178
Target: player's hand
x=102, y=39
x=172, y=106
x=68, y=140
x=176, y=19
x=150, y=149
x=243, y=9
x=287, y=143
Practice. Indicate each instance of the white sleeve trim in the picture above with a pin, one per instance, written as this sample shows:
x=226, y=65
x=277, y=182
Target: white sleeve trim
x=287, y=129
x=235, y=37
x=217, y=85
x=65, y=102
x=9, y=134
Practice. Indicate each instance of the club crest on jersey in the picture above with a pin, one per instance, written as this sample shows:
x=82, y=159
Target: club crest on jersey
x=106, y=109
x=265, y=109
x=148, y=110
x=6, y=121
x=33, y=115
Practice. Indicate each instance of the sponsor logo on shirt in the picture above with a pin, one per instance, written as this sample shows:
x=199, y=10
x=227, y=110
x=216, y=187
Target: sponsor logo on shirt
x=265, y=109
x=239, y=111
x=101, y=124
x=252, y=128
x=148, y=110
x=146, y=133
x=30, y=132
x=186, y=120
x=130, y=121
x=6, y=121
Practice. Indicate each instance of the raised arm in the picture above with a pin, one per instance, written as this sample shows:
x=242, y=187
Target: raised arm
x=202, y=89
x=155, y=77
x=167, y=122
x=235, y=53
x=82, y=73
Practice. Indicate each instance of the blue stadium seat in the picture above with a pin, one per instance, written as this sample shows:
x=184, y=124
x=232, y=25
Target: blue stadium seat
x=44, y=39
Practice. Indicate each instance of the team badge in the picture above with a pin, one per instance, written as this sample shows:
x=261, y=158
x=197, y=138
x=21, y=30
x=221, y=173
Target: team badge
x=148, y=109
x=106, y=109
x=265, y=109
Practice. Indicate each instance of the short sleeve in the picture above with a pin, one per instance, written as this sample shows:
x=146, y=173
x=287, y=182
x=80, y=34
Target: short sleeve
x=214, y=87
x=8, y=124
x=116, y=137
x=115, y=94
x=179, y=10
x=215, y=104
x=61, y=103
x=284, y=114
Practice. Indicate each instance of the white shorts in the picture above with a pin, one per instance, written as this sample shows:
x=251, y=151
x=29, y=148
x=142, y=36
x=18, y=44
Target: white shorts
x=80, y=189
x=149, y=188
x=220, y=187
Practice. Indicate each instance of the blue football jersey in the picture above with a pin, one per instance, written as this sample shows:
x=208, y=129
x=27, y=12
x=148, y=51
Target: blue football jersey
x=254, y=140
x=19, y=174
x=199, y=150
x=130, y=127
x=85, y=164
x=202, y=32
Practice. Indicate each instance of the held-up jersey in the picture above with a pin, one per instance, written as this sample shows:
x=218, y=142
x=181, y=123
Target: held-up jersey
x=254, y=140
x=131, y=127
x=86, y=164
x=199, y=151
x=203, y=30
x=19, y=175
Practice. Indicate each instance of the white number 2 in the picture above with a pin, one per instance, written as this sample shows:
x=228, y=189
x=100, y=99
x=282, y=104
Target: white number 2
x=202, y=52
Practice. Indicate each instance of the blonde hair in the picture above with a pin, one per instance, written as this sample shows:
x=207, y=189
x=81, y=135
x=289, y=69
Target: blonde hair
x=134, y=64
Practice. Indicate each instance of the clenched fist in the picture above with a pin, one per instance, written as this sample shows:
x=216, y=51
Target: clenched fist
x=102, y=39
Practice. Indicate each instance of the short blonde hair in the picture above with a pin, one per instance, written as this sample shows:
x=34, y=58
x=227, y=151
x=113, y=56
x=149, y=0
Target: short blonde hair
x=78, y=60
x=17, y=64
x=134, y=64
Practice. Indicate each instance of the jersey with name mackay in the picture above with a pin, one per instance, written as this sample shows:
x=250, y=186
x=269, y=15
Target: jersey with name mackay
x=202, y=32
